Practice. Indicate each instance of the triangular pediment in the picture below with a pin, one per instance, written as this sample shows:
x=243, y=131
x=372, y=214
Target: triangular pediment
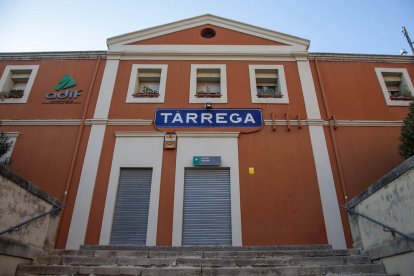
x=189, y=32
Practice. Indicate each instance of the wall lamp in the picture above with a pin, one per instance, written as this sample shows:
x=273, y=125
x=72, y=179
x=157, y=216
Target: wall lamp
x=209, y=105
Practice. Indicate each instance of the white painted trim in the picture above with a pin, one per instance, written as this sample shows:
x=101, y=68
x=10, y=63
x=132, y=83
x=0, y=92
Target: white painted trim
x=361, y=57
x=80, y=216
x=330, y=206
x=28, y=88
x=308, y=89
x=11, y=134
x=143, y=150
x=130, y=122
x=185, y=134
x=193, y=83
x=148, y=122
x=139, y=134
x=47, y=122
x=226, y=147
x=339, y=123
x=133, y=83
x=225, y=50
x=107, y=88
x=406, y=78
x=203, y=20
x=210, y=57
x=282, y=83
x=119, y=122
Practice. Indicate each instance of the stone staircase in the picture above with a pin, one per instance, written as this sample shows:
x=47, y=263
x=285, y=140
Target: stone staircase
x=134, y=260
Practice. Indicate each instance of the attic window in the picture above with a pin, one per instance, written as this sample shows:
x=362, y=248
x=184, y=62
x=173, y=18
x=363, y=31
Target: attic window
x=396, y=86
x=208, y=33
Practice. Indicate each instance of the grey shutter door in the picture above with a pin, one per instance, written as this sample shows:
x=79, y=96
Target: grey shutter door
x=132, y=205
x=207, y=207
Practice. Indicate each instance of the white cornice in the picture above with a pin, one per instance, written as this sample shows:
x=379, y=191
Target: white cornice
x=202, y=20
x=11, y=134
x=225, y=50
x=53, y=55
x=119, y=122
x=342, y=123
x=139, y=134
x=40, y=122
x=148, y=122
x=200, y=134
x=361, y=58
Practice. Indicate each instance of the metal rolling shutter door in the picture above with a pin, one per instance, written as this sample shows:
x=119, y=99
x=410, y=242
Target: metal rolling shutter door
x=207, y=207
x=131, y=209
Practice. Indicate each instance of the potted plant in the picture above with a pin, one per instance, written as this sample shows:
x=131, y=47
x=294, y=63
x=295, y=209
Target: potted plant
x=146, y=92
x=208, y=93
x=268, y=92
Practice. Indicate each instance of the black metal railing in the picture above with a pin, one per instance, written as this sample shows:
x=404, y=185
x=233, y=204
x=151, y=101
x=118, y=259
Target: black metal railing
x=385, y=227
x=17, y=227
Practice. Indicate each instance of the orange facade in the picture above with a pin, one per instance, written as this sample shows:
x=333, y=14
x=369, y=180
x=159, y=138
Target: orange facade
x=331, y=140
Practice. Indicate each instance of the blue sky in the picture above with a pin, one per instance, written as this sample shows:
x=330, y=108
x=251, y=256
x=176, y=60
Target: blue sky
x=339, y=26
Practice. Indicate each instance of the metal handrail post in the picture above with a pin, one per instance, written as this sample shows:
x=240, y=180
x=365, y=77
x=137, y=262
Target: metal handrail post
x=389, y=228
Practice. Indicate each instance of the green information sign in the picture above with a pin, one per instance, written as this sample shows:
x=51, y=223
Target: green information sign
x=206, y=160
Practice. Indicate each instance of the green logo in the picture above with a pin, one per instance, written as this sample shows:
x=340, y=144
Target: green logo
x=66, y=82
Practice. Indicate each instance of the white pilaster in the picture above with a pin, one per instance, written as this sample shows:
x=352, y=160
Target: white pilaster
x=222, y=144
x=80, y=216
x=132, y=150
x=330, y=206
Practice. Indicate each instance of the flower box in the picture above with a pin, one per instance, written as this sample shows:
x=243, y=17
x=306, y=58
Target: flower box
x=262, y=95
x=145, y=95
x=14, y=94
x=207, y=95
x=401, y=98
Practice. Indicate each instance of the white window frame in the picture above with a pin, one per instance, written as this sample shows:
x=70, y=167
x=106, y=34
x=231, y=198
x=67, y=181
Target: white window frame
x=282, y=83
x=13, y=138
x=133, y=82
x=193, y=83
x=405, y=76
x=6, y=77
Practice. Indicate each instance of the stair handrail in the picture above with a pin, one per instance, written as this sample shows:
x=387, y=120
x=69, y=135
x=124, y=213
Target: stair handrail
x=385, y=227
x=17, y=227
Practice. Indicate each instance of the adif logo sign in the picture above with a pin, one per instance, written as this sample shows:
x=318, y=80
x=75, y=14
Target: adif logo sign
x=63, y=93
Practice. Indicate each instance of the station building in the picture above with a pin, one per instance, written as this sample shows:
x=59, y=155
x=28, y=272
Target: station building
x=204, y=131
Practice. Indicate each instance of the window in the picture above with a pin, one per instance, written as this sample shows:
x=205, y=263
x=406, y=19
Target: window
x=147, y=83
x=208, y=83
x=396, y=86
x=16, y=83
x=267, y=84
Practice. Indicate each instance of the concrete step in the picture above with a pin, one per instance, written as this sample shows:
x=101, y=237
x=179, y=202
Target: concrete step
x=206, y=253
x=134, y=270
x=199, y=261
x=204, y=248
x=142, y=260
x=298, y=270
x=278, y=261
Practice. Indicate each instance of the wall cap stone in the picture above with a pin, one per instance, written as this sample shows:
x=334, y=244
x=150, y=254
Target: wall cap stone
x=383, y=181
x=29, y=186
x=18, y=249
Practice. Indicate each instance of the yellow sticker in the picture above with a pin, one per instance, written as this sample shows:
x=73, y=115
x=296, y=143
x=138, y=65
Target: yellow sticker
x=251, y=170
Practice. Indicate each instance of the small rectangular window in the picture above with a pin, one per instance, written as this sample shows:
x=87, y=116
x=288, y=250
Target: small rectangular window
x=147, y=83
x=396, y=85
x=16, y=83
x=268, y=84
x=208, y=83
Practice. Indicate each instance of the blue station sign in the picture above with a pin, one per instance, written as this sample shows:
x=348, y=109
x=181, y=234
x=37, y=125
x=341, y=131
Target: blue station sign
x=208, y=118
